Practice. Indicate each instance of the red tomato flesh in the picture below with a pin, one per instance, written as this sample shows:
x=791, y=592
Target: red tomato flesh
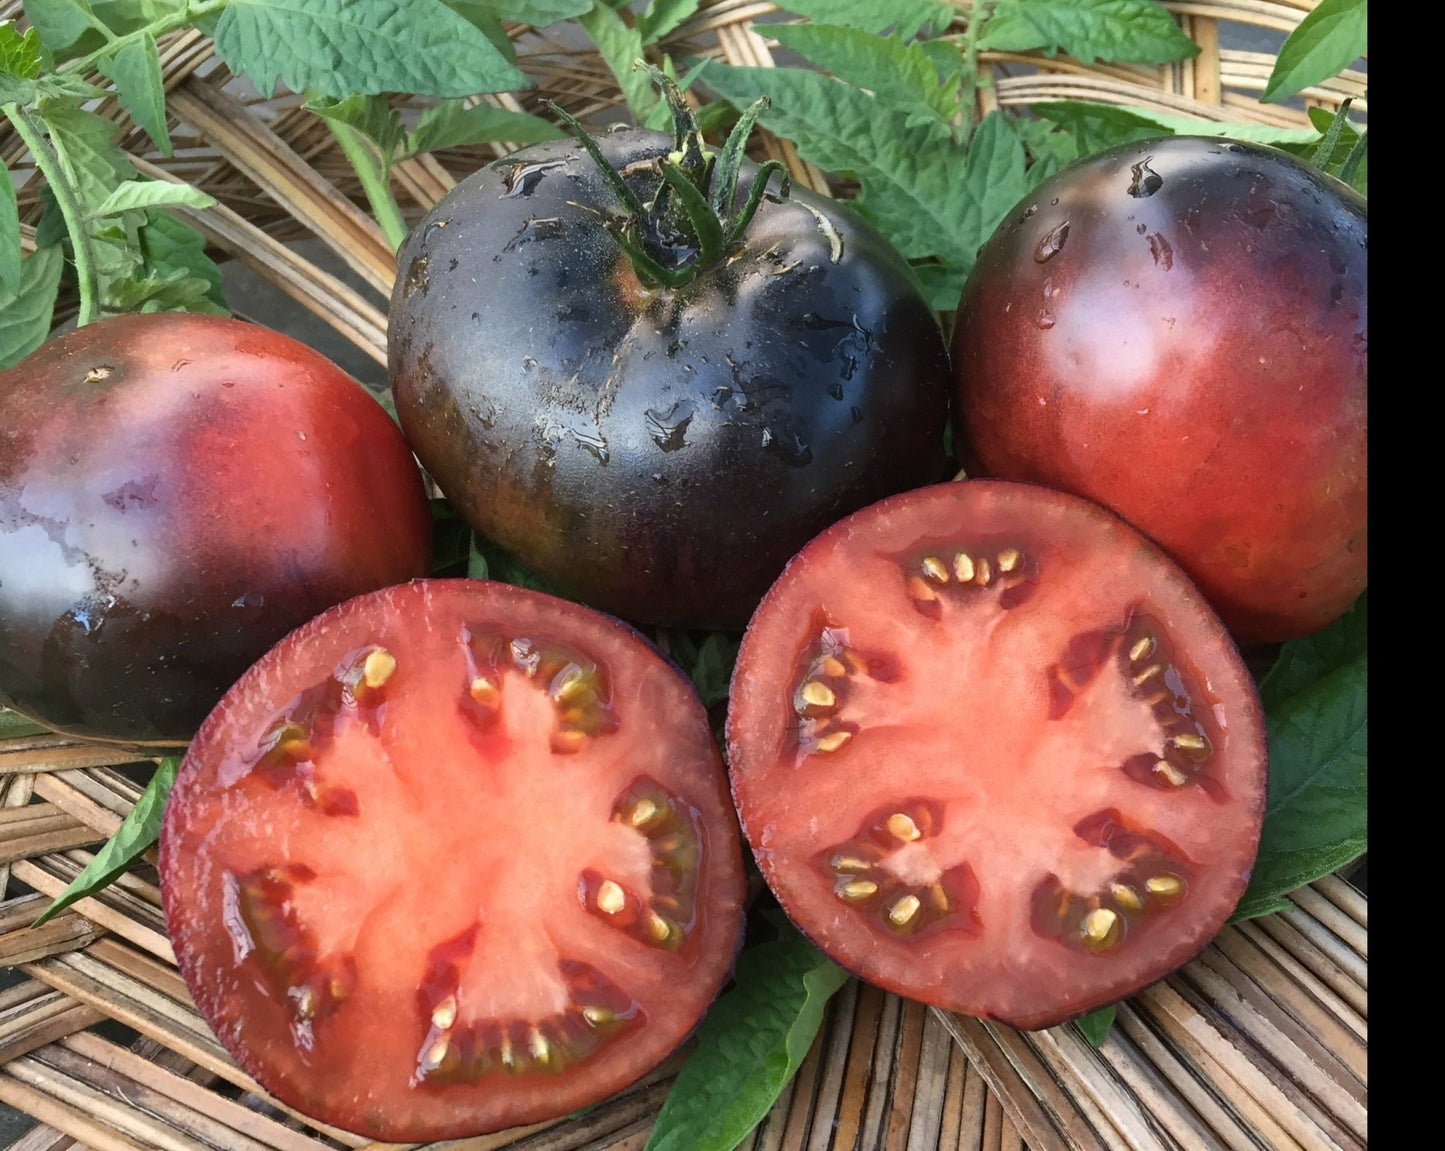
x=453, y=856
x=993, y=751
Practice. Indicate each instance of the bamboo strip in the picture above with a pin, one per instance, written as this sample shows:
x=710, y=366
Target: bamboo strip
x=38, y=753
x=1343, y=953
x=1109, y=1107
x=877, y=1089
x=14, y=850
x=321, y=293
x=90, y=799
x=1318, y=962
x=1326, y=1109
x=147, y=1111
x=1320, y=991
x=1344, y=896
x=1275, y=1117
x=974, y=1103
x=45, y=1138
x=929, y=1095
x=92, y=1130
x=1275, y=1027
x=864, y=1038
x=1316, y=1020
x=114, y=909
x=1058, y=1124
x=15, y=792
x=40, y=1021
x=904, y=1100
x=239, y=136
x=835, y=1058
x=68, y=932
x=258, y=1127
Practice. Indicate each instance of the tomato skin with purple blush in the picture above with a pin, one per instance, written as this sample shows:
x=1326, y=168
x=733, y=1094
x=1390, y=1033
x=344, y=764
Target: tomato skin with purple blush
x=177, y=492
x=452, y=857
x=1178, y=329
x=993, y=751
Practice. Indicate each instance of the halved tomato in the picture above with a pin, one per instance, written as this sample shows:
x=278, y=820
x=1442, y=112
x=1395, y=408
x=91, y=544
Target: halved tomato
x=993, y=751
x=451, y=857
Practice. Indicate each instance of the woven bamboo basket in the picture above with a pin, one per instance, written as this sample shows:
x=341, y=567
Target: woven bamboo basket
x=1260, y=1044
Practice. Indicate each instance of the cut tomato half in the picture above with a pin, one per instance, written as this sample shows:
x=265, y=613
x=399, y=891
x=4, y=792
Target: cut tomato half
x=453, y=856
x=994, y=752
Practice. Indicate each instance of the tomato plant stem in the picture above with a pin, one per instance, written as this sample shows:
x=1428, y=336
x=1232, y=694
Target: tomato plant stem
x=968, y=96
x=61, y=178
x=374, y=172
x=188, y=14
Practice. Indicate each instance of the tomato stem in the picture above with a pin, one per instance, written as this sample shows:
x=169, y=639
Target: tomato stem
x=690, y=216
x=61, y=178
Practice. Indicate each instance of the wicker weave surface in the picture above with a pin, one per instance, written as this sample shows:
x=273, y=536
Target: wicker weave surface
x=1259, y=1044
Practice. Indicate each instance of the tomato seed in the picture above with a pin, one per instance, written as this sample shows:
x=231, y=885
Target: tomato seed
x=1143, y=646
x=610, y=897
x=856, y=889
x=903, y=827
x=983, y=573
x=963, y=567
x=815, y=693
x=902, y=912
x=378, y=667
x=1165, y=886
x=935, y=569
x=1008, y=559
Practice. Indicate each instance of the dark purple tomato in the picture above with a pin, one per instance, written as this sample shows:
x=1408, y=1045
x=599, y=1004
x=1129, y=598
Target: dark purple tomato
x=177, y=492
x=658, y=452
x=1177, y=330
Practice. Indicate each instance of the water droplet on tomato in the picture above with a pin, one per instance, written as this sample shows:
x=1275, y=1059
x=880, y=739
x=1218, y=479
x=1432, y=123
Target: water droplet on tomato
x=535, y=228
x=415, y=277
x=1052, y=243
x=1046, y=320
x=788, y=446
x=1145, y=181
x=668, y=429
x=594, y=442
x=523, y=179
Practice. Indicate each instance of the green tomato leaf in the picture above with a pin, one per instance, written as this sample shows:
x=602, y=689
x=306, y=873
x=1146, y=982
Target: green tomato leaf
x=168, y=243
x=340, y=47
x=1316, y=703
x=9, y=237
x=27, y=312
x=1096, y=1024
x=450, y=123
x=136, y=833
x=139, y=193
x=13, y=725
x=931, y=198
x=139, y=85
x=662, y=16
x=60, y=22
x=902, y=76
x=621, y=46
x=1327, y=41
x=538, y=13
x=902, y=18
x=750, y=1044
x=19, y=55
x=1132, y=31
x=483, y=18
x=87, y=141
x=372, y=116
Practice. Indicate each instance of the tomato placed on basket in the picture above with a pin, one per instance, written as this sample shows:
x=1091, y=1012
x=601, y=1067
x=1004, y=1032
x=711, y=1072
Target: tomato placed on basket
x=453, y=856
x=993, y=751
x=177, y=492
x=1178, y=329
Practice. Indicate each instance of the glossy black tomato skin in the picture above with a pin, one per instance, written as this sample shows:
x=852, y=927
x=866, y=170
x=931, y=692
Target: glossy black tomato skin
x=1177, y=329
x=177, y=492
x=658, y=453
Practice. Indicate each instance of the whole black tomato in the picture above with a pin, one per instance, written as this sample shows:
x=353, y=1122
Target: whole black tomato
x=177, y=492
x=659, y=451
x=1177, y=329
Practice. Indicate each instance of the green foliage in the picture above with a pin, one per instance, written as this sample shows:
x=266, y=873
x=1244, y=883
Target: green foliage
x=1316, y=700
x=1328, y=40
x=620, y=46
x=902, y=19
x=1097, y=1024
x=135, y=71
x=341, y=47
x=449, y=123
x=750, y=1045
x=903, y=76
x=1131, y=31
x=139, y=830
x=25, y=313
